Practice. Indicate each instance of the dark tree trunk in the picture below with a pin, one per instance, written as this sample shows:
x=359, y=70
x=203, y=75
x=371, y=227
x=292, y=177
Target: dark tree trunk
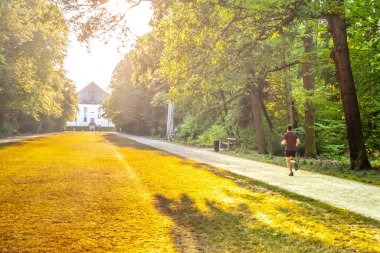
x=266, y=114
x=257, y=119
x=263, y=107
x=340, y=54
x=309, y=84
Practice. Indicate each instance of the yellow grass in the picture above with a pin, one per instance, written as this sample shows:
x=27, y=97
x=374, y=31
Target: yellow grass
x=94, y=192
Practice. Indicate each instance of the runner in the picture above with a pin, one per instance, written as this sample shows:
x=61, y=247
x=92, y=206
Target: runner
x=291, y=143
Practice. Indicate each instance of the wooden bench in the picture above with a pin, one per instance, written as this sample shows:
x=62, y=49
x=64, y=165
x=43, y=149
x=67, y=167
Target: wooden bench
x=229, y=144
x=14, y=132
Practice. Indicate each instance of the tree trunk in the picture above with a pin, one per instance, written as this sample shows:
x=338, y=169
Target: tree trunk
x=224, y=111
x=263, y=107
x=223, y=97
x=309, y=84
x=289, y=102
x=257, y=119
x=340, y=54
x=266, y=114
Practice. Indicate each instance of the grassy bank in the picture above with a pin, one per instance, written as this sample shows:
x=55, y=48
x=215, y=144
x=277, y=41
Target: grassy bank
x=95, y=192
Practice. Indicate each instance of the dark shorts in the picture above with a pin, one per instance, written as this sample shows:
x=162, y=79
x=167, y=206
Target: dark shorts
x=289, y=153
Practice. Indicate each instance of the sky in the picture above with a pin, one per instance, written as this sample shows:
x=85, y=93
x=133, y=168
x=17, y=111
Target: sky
x=96, y=63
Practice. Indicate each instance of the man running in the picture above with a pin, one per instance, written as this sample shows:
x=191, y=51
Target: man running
x=291, y=143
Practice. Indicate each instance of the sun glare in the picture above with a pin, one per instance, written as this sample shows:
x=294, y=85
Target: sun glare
x=138, y=17
x=117, y=6
x=97, y=65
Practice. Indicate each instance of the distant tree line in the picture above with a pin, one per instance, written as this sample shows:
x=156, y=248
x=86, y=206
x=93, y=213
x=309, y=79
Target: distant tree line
x=35, y=94
x=248, y=68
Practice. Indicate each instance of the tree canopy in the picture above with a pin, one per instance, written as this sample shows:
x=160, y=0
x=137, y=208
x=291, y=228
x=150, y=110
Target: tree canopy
x=247, y=69
x=35, y=94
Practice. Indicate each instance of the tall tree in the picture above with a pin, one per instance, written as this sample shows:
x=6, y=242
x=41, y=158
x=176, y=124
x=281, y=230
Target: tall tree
x=340, y=55
x=33, y=36
x=309, y=84
x=129, y=105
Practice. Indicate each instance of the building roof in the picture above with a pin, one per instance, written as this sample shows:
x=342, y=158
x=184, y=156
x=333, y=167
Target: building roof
x=91, y=94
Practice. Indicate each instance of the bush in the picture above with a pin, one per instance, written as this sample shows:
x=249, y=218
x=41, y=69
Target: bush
x=189, y=129
x=247, y=138
x=216, y=132
x=274, y=144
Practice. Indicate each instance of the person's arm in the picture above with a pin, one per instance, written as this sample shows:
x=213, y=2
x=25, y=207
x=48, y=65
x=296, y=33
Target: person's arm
x=283, y=142
x=298, y=142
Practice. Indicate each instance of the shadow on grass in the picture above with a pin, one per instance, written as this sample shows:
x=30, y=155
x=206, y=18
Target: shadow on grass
x=10, y=144
x=18, y=142
x=255, y=185
x=218, y=230
x=126, y=143
x=247, y=183
x=236, y=228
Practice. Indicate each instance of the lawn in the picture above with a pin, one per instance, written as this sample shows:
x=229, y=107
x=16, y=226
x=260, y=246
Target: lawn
x=96, y=192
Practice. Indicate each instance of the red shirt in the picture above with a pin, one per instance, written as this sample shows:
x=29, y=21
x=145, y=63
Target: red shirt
x=291, y=141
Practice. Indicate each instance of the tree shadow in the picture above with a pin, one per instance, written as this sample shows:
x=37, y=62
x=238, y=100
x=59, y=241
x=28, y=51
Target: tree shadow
x=126, y=143
x=10, y=144
x=218, y=230
x=255, y=185
x=237, y=229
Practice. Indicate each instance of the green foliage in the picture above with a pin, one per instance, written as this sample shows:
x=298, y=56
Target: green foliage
x=205, y=56
x=190, y=129
x=331, y=140
x=129, y=105
x=247, y=138
x=364, y=18
x=33, y=36
x=215, y=132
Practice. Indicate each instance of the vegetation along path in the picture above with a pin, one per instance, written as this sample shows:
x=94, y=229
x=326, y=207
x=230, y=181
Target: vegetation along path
x=354, y=196
x=97, y=192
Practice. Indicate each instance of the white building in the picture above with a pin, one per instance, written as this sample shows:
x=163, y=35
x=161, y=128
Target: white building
x=90, y=112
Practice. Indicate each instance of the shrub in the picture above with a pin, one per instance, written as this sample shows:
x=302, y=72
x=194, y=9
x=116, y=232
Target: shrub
x=215, y=132
x=189, y=129
x=247, y=138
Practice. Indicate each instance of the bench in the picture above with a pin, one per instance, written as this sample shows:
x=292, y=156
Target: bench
x=14, y=132
x=229, y=144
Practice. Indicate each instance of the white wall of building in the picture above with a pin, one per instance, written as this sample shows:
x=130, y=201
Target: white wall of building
x=91, y=111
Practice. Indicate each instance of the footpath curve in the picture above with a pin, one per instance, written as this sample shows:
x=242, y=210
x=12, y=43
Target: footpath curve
x=354, y=196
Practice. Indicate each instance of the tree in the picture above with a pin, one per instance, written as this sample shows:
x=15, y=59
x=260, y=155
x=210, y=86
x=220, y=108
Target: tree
x=243, y=49
x=362, y=19
x=33, y=36
x=129, y=105
x=309, y=84
x=340, y=55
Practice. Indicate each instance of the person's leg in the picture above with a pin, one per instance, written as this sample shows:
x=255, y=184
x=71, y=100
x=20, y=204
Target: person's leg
x=289, y=164
x=296, y=161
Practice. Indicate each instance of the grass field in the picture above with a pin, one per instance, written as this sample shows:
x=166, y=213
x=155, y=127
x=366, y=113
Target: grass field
x=95, y=192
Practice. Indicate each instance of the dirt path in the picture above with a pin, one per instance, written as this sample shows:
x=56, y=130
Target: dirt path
x=354, y=196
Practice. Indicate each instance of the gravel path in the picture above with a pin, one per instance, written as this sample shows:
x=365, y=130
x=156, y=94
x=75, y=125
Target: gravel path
x=21, y=138
x=354, y=196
